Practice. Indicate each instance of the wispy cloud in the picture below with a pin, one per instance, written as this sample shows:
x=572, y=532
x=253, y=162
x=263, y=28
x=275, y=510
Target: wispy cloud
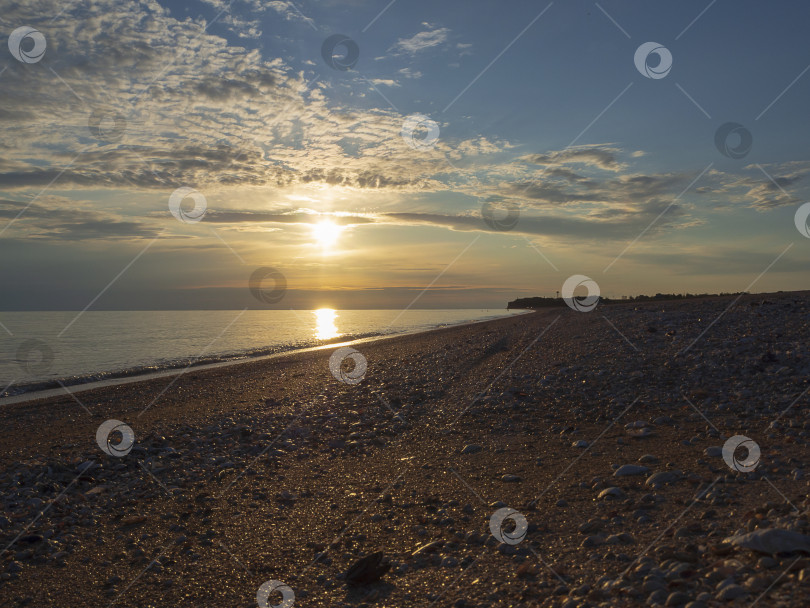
x=429, y=38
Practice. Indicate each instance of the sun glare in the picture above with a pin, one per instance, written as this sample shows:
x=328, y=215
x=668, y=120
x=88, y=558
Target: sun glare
x=326, y=233
x=325, y=327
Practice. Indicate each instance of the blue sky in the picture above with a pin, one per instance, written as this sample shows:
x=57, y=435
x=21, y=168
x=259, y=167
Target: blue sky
x=537, y=106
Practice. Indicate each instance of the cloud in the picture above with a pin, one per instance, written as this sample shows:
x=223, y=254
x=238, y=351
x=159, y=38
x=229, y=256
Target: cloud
x=599, y=156
x=409, y=73
x=57, y=218
x=624, y=225
x=427, y=39
x=386, y=81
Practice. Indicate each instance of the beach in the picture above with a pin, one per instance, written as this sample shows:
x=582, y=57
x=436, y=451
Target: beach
x=604, y=431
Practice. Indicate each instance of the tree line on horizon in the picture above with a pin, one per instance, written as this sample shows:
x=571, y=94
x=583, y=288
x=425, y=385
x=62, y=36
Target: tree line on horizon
x=544, y=302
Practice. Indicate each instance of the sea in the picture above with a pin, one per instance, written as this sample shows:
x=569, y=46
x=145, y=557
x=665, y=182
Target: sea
x=55, y=350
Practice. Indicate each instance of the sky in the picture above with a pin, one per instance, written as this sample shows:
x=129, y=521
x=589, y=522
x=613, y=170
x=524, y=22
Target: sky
x=379, y=154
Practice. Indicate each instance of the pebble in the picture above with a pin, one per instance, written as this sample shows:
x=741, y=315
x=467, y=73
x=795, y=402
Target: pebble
x=656, y=480
x=677, y=598
x=731, y=592
x=628, y=470
x=612, y=492
x=471, y=449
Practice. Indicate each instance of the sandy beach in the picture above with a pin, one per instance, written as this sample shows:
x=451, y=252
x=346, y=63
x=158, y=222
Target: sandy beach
x=603, y=430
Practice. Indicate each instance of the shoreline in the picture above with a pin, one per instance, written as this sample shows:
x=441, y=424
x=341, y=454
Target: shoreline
x=604, y=430
x=58, y=386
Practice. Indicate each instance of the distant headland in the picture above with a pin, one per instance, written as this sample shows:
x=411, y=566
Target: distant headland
x=541, y=302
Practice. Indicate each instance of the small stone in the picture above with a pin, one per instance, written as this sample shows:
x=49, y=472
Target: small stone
x=656, y=480
x=367, y=569
x=471, y=449
x=612, y=492
x=133, y=520
x=13, y=567
x=677, y=599
x=648, y=459
x=580, y=444
x=509, y=478
x=713, y=451
x=628, y=470
x=731, y=592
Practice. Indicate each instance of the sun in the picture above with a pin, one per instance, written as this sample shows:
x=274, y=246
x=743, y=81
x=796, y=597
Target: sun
x=326, y=233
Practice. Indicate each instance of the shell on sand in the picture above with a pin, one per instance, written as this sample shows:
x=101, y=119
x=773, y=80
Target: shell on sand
x=772, y=541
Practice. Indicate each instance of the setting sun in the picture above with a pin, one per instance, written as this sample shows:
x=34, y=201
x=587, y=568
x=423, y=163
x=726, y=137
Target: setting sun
x=326, y=233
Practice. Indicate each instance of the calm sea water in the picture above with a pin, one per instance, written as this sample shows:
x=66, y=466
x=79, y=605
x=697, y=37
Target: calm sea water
x=39, y=348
